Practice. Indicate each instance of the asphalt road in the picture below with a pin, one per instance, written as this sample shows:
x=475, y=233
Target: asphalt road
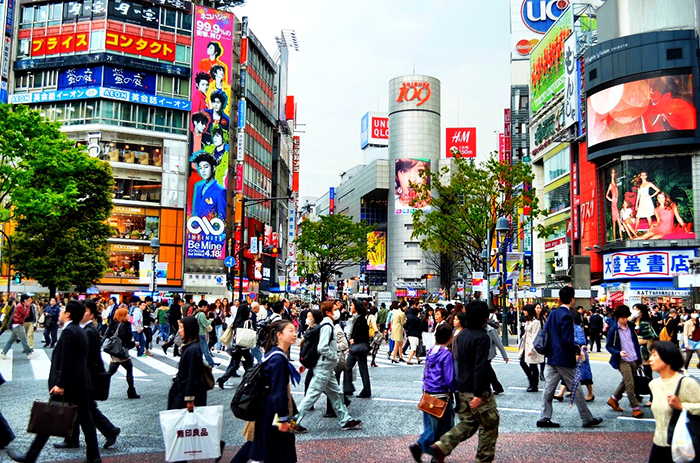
x=391, y=419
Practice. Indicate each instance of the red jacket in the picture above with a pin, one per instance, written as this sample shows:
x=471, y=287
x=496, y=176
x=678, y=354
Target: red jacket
x=21, y=312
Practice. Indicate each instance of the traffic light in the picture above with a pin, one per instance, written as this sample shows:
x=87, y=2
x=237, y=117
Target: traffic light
x=272, y=251
x=18, y=277
x=426, y=276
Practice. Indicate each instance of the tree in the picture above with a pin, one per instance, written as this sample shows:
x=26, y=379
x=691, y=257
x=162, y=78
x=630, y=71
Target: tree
x=467, y=200
x=334, y=242
x=445, y=265
x=59, y=198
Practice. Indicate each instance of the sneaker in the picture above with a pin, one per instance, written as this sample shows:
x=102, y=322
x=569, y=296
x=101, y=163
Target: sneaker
x=614, y=404
x=3, y=356
x=32, y=356
x=352, y=424
x=637, y=413
x=148, y=353
x=299, y=429
x=547, y=423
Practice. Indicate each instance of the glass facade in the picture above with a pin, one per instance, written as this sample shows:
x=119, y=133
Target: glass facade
x=556, y=166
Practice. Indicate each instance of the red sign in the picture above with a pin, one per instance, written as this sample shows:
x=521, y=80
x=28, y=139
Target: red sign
x=576, y=200
x=244, y=51
x=507, y=155
x=237, y=248
x=554, y=243
x=239, y=177
x=295, y=164
x=461, y=142
x=142, y=46
x=414, y=91
x=65, y=43
x=380, y=127
x=290, y=108
x=501, y=147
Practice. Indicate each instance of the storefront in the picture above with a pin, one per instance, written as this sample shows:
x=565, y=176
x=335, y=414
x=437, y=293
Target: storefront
x=135, y=223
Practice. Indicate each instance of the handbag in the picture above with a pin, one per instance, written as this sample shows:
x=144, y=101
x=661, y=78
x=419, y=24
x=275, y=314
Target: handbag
x=692, y=425
x=42, y=318
x=226, y=336
x=100, y=385
x=52, y=418
x=246, y=336
x=192, y=435
x=113, y=346
x=432, y=405
x=641, y=382
x=541, y=342
x=361, y=348
x=342, y=362
x=208, y=377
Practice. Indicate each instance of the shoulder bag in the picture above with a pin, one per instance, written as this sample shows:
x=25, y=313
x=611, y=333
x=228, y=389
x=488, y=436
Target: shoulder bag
x=432, y=405
x=246, y=336
x=113, y=346
x=209, y=382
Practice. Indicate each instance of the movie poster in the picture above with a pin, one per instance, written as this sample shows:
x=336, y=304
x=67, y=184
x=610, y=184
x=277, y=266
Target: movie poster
x=411, y=172
x=209, y=133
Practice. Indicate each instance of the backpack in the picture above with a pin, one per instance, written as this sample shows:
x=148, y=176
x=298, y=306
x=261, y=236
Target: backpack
x=263, y=330
x=664, y=335
x=252, y=392
x=308, y=354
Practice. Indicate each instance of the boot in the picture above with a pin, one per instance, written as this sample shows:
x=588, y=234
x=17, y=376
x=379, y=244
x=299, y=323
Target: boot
x=176, y=351
x=131, y=393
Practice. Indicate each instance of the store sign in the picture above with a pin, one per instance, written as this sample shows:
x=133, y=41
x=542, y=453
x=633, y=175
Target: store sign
x=98, y=58
x=374, y=130
x=141, y=46
x=461, y=143
x=659, y=293
x=181, y=5
x=62, y=43
x=83, y=10
x=133, y=13
x=417, y=92
x=571, y=89
x=529, y=20
x=107, y=76
x=646, y=264
x=554, y=243
x=101, y=92
x=128, y=210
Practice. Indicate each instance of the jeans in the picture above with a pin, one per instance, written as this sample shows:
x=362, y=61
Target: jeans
x=219, y=331
x=140, y=340
x=434, y=428
x=530, y=370
x=205, y=350
x=17, y=333
x=257, y=354
x=51, y=334
x=164, y=331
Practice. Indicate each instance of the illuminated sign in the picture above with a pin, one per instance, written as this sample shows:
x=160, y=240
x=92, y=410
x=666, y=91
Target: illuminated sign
x=419, y=92
x=646, y=264
x=374, y=130
x=63, y=43
x=141, y=46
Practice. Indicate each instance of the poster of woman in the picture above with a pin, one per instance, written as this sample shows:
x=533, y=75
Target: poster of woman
x=410, y=174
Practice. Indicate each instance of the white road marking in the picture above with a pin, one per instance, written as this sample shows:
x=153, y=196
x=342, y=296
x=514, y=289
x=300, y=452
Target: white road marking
x=629, y=418
x=137, y=373
x=158, y=365
x=6, y=366
x=41, y=366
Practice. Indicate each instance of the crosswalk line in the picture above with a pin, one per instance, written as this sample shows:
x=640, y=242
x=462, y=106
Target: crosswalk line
x=157, y=365
x=6, y=366
x=41, y=366
x=137, y=373
x=159, y=353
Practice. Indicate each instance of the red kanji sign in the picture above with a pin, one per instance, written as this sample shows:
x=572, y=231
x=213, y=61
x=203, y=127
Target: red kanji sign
x=142, y=46
x=65, y=43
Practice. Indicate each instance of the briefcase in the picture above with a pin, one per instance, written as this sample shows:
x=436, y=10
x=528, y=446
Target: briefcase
x=432, y=405
x=100, y=385
x=52, y=418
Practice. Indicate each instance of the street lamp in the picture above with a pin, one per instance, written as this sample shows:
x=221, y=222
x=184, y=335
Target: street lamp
x=503, y=226
x=9, y=260
x=155, y=245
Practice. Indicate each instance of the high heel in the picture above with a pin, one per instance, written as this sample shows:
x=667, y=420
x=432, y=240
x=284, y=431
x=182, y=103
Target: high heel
x=558, y=398
x=373, y=364
x=394, y=361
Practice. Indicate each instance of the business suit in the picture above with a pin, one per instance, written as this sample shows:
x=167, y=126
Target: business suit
x=95, y=365
x=69, y=371
x=210, y=201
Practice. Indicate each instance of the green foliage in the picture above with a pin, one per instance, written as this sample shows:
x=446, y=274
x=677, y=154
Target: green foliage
x=333, y=243
x=59, y=198
x=467, y=200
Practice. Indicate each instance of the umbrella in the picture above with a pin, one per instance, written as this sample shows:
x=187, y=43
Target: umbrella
x=576, y=381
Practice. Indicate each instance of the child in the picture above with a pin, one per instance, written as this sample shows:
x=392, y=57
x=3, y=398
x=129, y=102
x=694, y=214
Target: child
x=439, y=380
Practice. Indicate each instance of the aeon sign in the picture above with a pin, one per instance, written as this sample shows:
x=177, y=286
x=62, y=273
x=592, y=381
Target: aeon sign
x=414, y=91
x=539, y=15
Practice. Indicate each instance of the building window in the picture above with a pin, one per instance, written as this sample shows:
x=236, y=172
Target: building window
x=558, y=199
x=135, y=154
x=137, y=226
x=524, y=102
x=137, y=190
x=124, y=263
x=556, y=166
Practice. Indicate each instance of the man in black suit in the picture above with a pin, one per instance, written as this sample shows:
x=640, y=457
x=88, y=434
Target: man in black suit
x=69, y=378
x=95, y=367
x=595, y=322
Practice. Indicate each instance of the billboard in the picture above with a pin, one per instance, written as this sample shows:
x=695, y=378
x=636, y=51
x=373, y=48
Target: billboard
x=646, y=264
x=61, y=43
x=529, y=20
x=209, y=139
x=641, y=107
x=136, y=45
x=376, y=250
x=649, y=199
x=461, y=143
x=107, y=76
x=410, y=172
x=547, y=62
x=374, y=130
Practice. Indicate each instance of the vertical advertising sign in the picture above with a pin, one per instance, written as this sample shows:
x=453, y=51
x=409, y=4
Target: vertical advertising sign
x=507, y=154
x=376, y=250
x=209, y=138
x=571, y=89
x=295, y=165
x=331, y=201
x=501, y=147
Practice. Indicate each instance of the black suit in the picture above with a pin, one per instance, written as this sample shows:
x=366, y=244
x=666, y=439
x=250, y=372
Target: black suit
x=69, y=371
x=595, y=322
x=95, y=365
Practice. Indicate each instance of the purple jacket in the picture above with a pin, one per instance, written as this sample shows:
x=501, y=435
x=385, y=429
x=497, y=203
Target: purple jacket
x=439, y=373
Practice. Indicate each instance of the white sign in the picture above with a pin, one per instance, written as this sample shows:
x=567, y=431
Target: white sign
x=646, y=264
x=571, y=87
x=660, y=293
x=146, y=272
x=561, y=258
x=240, y=146
x=254, y=245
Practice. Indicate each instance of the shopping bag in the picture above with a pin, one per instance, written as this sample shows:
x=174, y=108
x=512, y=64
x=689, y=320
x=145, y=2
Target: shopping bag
x=192, y=436
x=227, y=336
x=682, y=448
x=246, y=336
x=428, y=339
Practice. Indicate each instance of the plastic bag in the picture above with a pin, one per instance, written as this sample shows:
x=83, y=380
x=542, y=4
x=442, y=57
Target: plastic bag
x=192, y=436
x=428, y=339
x=682, y=448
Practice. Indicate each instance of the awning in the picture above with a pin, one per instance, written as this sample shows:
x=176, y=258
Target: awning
x=616, y=296
x=652, y=284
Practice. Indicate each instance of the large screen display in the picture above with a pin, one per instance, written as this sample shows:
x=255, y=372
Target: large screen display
x=649, y=199
x=646, y=106
x=209, y=134
x=410, y=172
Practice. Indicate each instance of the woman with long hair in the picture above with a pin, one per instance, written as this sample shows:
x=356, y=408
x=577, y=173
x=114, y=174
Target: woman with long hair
x=376, y=336
x=121, y=327
x=612, y=195
x=238, y=354
x=529, y=357
x=644, y=205
x=665, y=214
x=359, y=347
x=409, y=174
x=188, y=388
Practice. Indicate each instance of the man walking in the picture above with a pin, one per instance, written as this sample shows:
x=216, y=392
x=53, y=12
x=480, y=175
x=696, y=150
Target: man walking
x=51, y=313
x=18, y=317
x=595, y=323
x=561, y=361
x=477, y=406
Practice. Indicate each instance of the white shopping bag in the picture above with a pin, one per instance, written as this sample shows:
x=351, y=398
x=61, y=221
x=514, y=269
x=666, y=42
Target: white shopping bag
x=192, y=436
x=428, y=340
x=682, y=444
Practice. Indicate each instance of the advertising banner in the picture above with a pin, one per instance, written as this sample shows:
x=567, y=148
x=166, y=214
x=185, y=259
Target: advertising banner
x=209, y=139
x=146, y=272
x=461, y=143
x=107, y=76
x=529, y=20
x=374, y=130
x=410, y=172
x=514, y=266
x=640, y=107
x=571, y=89
x=138, y=45
x=376, y=250
x=62, y=43
x=646, y=264
x=133, y=13
x=649, y=199
x=547, y=63
x=99, y=92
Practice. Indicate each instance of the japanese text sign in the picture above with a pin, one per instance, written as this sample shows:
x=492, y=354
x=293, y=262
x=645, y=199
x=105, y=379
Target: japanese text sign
x=142, y=46
x=646, y=264
x=64, y=43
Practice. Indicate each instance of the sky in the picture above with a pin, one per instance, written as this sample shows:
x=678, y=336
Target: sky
x=349, y=50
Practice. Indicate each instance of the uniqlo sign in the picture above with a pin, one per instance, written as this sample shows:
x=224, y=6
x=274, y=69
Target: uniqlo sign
x=461, y=142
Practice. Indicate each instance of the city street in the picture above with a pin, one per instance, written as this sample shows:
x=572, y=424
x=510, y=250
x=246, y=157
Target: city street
x=391, y=419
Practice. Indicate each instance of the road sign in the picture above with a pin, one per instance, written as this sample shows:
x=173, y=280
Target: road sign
x=252, y=296
x=229, y=261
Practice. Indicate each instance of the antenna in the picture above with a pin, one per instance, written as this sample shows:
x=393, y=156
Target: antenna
x=288, y=39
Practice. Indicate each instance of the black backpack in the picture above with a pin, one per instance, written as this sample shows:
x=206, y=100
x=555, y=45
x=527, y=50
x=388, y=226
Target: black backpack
x=262, y=330
x=251, y=393
x=308, y=355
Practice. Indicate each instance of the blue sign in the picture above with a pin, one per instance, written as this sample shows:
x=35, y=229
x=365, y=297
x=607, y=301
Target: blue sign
x=100, y=92
x=364, y=131
x=88, y=76
x=252, y=296
x=241, y=80
x=139, y=81
x=539, y=15
x=229, y=261
x=241, y=114
x=10, y=15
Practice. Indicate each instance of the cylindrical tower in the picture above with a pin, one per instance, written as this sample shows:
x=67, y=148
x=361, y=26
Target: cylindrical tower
x=414, y=145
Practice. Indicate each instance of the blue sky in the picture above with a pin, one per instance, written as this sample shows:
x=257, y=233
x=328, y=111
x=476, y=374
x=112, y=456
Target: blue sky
x=350, y=50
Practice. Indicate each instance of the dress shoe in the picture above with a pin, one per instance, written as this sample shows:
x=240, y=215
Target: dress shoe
x=220, y=383
x=637, y=413
x=532, y=389
x=364, y=396
x=541, y=376
x=593, y=422
x=66, y=445
x=591, y=399
x=558, y=398
x=165, y=350
x=97, y=460
x=373, y=364
x=438, y=454
x=347, y=402
x=330, y=415
x=111, y=440
x=416, y=451
x=19, y=457
x=547, y=423
x=614, y=404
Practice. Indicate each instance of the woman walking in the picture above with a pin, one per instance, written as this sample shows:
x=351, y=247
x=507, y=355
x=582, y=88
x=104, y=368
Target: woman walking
x=359, y=347
x=122, y=329
x=691, y=337
x=529, y=357
x=204, y=327
x=375, y=335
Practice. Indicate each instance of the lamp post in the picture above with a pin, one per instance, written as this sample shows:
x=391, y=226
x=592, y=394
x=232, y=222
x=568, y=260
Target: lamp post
x=9, y=260
x=502, y=226
x=155, y=245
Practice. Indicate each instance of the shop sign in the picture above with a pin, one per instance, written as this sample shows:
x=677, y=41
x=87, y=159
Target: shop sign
x=128, y=210
x=100, y=92
x=660, y=293
x=646, y=264
x=96, y=58
x=554, y=243
x=125, y=248
x=62, y=43
x=571, y=87
x=141, y=46
x=418, y=92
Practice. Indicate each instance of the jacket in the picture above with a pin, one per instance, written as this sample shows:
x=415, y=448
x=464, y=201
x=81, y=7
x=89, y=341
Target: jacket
x=69, y=369
x=612, y=344
x=21, y=312
x=188, y=384
x=413, y=324
x=560, y=329
x=327, y=343
x=473, y=366
x=439, y=372
x=94, y=357
x=123, y=332
x=495, y=343
x=360, y=330
x=527, y=347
